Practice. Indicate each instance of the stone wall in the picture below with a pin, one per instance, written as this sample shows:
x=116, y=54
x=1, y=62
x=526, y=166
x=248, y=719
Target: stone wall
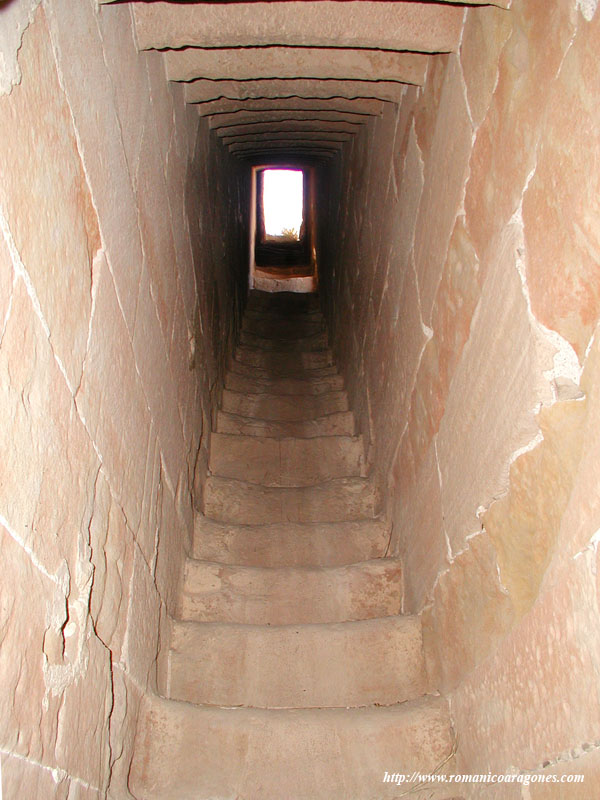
x=106, y=389
x=464, y=299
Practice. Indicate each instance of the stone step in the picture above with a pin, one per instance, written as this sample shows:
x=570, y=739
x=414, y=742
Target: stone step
x=285, y=303
x=284, y=386
x=284, y=408
x=341, y=424
x=278, y=344
x=280, y=363
x=285, y=462
x=290, y=544
x=188, y=752
x=215, y=592
x=347, y=664
x=291, y=370
x=283, y=328
x=230, y=500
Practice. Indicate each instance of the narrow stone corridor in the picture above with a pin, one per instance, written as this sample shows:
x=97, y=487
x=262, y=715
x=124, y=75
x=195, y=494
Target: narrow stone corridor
x=289, y=602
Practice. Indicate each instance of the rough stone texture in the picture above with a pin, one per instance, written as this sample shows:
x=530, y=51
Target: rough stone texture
x=537, y=677
x=288, y=596
x=100, y=402
x=267, y=751
x=308, y=666
x=47, y=203
x=393, y=26
x=339, y=499
x=303, y=62
x=284, y=462
x=223, y=106
x=290, y=544
x=200, y=90
x=470, y=612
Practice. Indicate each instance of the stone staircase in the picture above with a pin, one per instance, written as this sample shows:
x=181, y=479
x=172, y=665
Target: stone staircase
x=292, y=673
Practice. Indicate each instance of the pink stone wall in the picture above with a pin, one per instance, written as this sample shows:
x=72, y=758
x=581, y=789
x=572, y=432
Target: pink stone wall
x=463, y=297
x=106, y=391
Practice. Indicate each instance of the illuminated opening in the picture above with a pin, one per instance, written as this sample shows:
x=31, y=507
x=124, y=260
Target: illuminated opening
x=283, y=203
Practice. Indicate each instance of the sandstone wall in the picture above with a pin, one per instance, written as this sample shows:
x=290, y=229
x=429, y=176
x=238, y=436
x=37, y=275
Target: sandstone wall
x=464, y=300
x=105, y=390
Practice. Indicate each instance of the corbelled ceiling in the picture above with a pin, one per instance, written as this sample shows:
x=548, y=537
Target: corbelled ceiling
x=296, y=78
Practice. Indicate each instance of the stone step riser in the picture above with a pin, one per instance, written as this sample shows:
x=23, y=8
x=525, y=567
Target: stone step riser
x=280, y=362
x=341, y=424
x=285, y=462
x=283, y=408
x=283, y=386
x=275, y=344
x=283, y=329
x=227, y=500
x=290, y=544
x=290, y=596
x=292, y=371
x=188, y=753
x=349, y=664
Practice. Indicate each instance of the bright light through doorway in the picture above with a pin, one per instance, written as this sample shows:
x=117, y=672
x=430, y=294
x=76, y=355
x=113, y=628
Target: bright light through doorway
x=283, y=202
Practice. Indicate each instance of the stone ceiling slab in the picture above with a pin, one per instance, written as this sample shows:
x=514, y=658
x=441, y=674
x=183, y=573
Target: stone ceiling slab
x=202, y=90
x=294, y=62
x=289, y=136
x=286, y=126
x=245, y=118
x=361, y=105
x=422, y=27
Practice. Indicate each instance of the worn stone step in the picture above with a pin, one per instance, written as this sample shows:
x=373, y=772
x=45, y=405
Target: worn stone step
x=193, y=752
x=290, y=370
x=341, y=424
x=276, y=362
x=285, y=328
x=290, y=544
x=215, y=592
x=278, y=344
x=285, y=462
x=346, y=664
x=285, y=386
x=230, y=500
x=285, y=408
x=283, y=302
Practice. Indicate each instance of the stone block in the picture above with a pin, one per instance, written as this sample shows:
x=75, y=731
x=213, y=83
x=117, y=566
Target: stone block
x=525, y=524
x=90, y=95
x=290, y=544
x=126, y=703
x=48, y=468
x=446, y=169
x=418, y=514
x=496, y=387
x=470, y=612
x=46, y=199
x=141, y=644
x=561, y=206
x=112, y=546
x=82, y=736
x=288, y=595
x=24, y=778
x=337, y=500
x=112, y=402
x=152, y=364
x=504, y=152
x=26, y=728
x=7, y=277
x=542, y=679
x=267, y=750
x=485, y=32
x=298, y=666
x=171, y=551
